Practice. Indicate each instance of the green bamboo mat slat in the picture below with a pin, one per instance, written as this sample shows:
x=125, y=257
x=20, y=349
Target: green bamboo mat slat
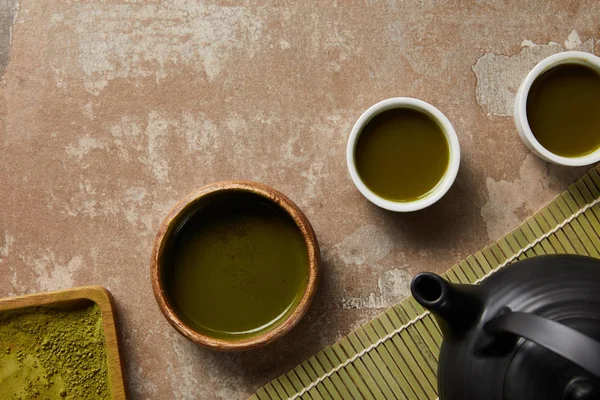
x=395, y=355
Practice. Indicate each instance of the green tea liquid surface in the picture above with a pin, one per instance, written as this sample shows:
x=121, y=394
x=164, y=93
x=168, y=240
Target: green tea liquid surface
x=563, y=110
x=238, y=267
x=401, y=154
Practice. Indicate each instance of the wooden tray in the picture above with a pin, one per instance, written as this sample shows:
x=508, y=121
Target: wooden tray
x=72, y=297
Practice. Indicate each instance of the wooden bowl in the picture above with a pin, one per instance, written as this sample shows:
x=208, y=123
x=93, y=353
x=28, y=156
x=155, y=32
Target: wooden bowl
x=172, y=221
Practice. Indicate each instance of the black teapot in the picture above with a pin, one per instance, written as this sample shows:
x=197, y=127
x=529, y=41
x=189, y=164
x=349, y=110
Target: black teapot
x=531, y=331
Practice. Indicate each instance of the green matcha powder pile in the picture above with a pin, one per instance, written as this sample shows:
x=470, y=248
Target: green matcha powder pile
x=50, y=353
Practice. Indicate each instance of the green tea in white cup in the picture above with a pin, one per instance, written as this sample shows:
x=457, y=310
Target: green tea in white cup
x=402, y=154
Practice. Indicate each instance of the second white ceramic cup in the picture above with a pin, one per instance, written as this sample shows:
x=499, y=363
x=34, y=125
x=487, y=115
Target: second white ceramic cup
x=567, y=57
x=445, y=182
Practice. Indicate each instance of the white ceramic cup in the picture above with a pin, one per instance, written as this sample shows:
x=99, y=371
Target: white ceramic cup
x=567, y=57
x=445, y=182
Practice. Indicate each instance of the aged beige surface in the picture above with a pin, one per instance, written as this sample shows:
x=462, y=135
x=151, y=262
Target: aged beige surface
x=111, y=111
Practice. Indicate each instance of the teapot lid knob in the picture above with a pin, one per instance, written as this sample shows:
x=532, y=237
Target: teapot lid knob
x=581, y=389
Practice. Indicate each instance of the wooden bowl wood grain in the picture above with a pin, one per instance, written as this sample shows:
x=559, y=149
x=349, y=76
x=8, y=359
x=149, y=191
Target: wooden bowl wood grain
x=172, y=221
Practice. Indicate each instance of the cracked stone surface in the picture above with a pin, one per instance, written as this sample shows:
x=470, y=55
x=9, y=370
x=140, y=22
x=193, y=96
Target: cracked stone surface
x=113, y=110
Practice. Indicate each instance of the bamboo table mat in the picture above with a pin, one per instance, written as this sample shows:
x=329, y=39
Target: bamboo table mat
x=394, y=356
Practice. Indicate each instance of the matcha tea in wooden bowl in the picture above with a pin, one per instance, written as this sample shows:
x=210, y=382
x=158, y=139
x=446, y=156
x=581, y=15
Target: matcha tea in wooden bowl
x=403, y=154
x=235, y=265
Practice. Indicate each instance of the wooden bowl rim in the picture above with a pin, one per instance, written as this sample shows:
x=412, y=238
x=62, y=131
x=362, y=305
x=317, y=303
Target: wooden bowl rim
x=306, y=230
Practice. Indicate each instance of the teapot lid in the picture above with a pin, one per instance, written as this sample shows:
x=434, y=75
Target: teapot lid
x=560, y=291
x=535, y=372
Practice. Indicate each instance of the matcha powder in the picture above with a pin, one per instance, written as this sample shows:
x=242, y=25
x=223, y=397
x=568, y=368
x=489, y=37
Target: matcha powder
x=51, y=353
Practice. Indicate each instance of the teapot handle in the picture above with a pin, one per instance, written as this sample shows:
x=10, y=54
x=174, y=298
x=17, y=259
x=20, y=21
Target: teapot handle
x=567, y=342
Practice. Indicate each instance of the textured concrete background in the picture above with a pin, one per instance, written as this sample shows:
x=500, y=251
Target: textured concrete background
x=113, y=110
